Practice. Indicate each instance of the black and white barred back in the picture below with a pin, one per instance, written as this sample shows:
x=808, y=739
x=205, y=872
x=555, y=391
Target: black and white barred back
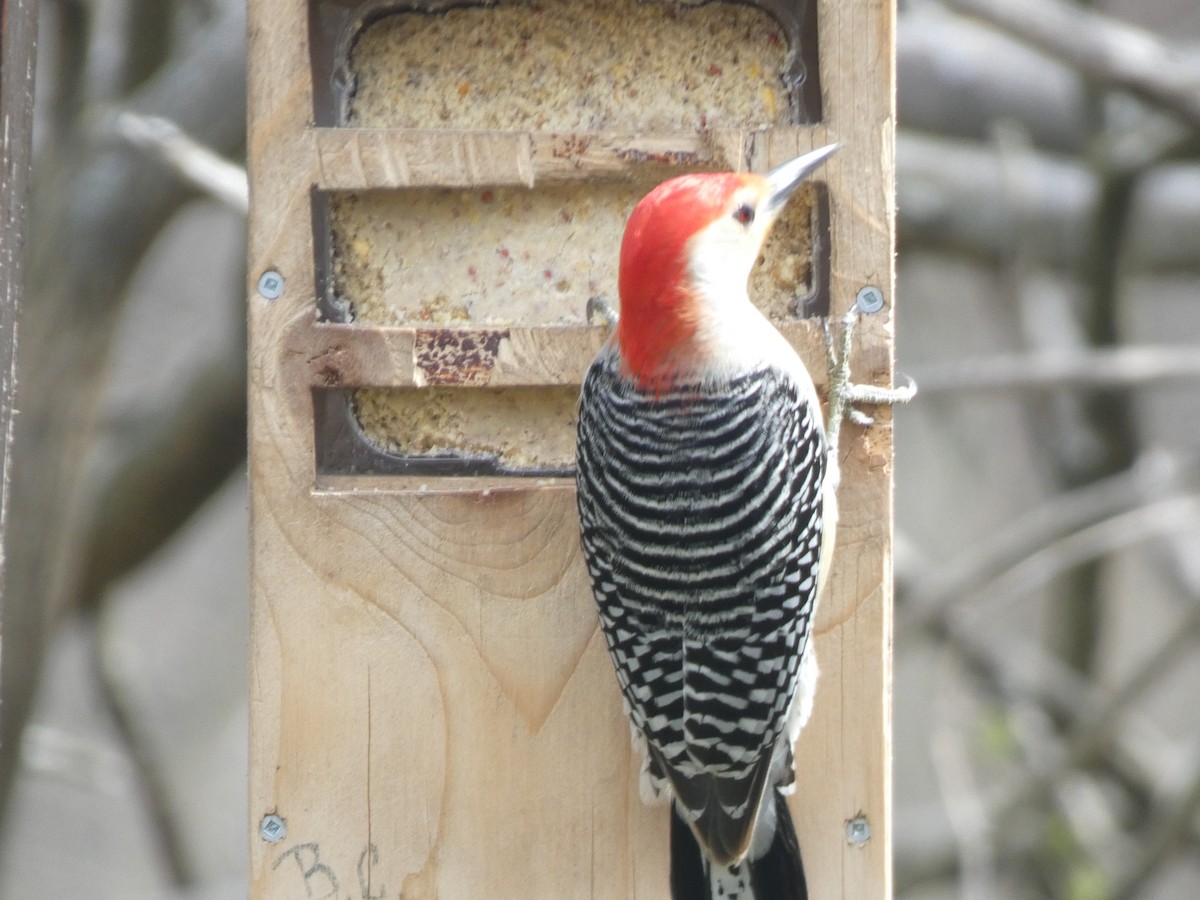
x=701, y=519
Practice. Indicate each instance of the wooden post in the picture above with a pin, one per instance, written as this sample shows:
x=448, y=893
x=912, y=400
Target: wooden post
x=433, y=713
x=22, y=613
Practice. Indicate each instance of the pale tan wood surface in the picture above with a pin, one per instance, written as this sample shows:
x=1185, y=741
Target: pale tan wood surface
x=350, y=356
x=845, y=751
x=357, y=158
x=433, y=712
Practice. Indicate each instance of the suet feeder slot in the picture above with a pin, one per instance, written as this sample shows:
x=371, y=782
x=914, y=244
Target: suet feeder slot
x=453, y=432
x=510, y=256
x=567, y=66
x=478, y=163
x=398, y=259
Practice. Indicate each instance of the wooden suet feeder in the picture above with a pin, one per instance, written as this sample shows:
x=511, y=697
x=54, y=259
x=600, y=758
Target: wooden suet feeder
x=438, y=188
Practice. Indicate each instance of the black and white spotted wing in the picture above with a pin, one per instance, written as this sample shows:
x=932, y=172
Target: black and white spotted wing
x=700, y=511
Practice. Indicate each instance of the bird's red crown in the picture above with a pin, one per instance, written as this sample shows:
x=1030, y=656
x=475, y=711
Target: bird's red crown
x=659, y=309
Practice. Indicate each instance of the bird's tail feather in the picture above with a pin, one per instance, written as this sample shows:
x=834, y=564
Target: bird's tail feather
x=775, y=874
x=689, y=880
x=780, y=871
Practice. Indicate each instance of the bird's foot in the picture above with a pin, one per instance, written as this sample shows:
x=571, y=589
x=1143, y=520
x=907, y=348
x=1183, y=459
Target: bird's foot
x=599, y=307
x=845, y=397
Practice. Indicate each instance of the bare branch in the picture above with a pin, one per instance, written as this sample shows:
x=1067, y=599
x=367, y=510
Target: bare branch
x=1086, y=809
x=1136, y=752
x=1112, y=53
x=1153, y=477
x=1098, y=725
x=1175, y=821
x=956, y=76
x=968, y=816
x=1154, y=519
x=953, y=195
x=959, y=77
x=187, y=157
x=95, y=211
x=183, y=455
x=165, y=830
x=1101, y=368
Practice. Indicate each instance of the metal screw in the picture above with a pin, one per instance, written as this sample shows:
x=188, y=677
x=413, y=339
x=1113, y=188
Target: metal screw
x=272, y=828
x=869, y=300
x=858, y=831
x=270, y=284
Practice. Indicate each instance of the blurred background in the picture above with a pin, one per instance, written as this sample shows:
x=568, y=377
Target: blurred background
x=1047, y=672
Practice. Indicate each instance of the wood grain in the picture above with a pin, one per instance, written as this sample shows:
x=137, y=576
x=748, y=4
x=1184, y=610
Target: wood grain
x=433, y=713
x=360, y=158
x=350, y=356
x=846, y=748
x=23, y=611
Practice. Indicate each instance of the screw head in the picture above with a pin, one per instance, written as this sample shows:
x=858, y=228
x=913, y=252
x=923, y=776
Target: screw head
x=272, y=828
x=869, y=299
x=858, y=831
x=270, y=284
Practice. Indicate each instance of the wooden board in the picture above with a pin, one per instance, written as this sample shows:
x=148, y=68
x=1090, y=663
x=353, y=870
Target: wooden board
x=24, y=635
x=433, y=712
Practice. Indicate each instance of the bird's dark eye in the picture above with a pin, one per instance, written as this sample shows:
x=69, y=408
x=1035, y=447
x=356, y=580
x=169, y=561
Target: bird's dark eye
x=744, y=214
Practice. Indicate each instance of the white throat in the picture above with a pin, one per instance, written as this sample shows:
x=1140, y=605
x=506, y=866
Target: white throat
x=734, y=334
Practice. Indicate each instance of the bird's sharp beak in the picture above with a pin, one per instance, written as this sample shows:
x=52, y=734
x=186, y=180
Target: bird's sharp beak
x=786, y=178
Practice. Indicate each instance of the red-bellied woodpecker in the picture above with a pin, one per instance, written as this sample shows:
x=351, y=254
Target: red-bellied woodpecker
x=706, y=504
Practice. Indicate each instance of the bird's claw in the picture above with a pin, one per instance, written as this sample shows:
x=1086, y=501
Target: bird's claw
x=599, y=307
x=844, y=396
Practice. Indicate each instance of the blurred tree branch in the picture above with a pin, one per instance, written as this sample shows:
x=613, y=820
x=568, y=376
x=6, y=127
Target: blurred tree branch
x=1114, y=54
x=1101, y=368
x=972, y=827
x=1094, y=434
x=953, y=195
x=957, y=77
x=97, y=207
x=1103, y=730
x=935, y=595
x=180, y=457
x=1175, y=821
x=189, y=159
